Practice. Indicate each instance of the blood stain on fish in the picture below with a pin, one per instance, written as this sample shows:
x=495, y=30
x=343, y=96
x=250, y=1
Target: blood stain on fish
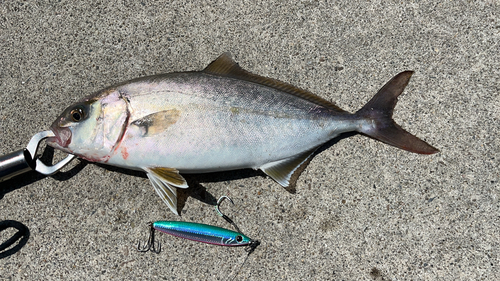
x=124, y=153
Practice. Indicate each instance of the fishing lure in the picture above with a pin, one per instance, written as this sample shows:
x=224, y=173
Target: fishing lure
x=200, y=232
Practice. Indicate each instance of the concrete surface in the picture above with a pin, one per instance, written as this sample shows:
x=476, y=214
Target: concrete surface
x=362, y=210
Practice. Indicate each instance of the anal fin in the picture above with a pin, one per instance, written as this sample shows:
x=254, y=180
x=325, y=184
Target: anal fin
x=165, y=181
x=286, y=171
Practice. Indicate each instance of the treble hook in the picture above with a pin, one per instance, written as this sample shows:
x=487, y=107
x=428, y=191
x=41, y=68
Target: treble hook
x=224, y=216
x=150, y=245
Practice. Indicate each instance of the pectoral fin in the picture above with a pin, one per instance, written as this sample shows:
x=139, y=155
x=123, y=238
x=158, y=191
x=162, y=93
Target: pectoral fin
x=165, y=181
x=286, y=171
x=157, y=122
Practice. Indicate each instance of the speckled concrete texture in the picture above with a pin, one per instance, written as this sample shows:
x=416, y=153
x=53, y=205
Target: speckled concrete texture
x=362, y=210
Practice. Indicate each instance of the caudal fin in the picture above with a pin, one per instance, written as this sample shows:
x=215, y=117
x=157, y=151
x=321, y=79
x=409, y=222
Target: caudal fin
x=382, y=127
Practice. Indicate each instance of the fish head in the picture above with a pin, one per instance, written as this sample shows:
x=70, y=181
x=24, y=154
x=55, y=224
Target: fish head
x=92, y=127
x=72, y=120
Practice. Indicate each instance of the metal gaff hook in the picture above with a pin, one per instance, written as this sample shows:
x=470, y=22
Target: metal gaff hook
x=150, y=245
x=224, y=216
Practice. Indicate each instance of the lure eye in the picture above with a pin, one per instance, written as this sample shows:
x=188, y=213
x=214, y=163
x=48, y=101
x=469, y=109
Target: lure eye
x=77, y=114
x=239, y=238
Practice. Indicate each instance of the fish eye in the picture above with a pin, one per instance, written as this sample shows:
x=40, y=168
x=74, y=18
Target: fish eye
x=77, y=114
x=239, y=238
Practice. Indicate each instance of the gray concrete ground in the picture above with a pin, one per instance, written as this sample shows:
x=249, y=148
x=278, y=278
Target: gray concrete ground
x=362, y=210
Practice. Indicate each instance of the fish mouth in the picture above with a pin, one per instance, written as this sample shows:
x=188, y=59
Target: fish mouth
x=62, y=138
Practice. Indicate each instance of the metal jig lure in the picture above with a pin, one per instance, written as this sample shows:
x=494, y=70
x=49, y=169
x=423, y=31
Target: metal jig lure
x=25, y=160
x=200, y=232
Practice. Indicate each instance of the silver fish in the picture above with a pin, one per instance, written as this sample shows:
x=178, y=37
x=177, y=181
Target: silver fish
x=222, y=118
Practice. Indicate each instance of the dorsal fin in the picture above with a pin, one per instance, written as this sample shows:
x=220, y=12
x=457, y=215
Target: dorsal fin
x=225, y=66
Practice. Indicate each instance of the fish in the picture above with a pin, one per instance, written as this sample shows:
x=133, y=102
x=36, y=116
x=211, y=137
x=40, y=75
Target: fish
x=219, y=119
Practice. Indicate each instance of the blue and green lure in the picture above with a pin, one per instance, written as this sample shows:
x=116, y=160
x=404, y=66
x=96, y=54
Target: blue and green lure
x=201, y=233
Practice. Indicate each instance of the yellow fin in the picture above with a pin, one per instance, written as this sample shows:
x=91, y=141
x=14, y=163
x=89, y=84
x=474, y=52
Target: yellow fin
x=168, y=175
x=165, y=181
x=157, y=122
x=225, y=66
x=167, y=193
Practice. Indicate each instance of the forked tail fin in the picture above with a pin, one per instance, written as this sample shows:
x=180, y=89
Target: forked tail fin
x=382, y=127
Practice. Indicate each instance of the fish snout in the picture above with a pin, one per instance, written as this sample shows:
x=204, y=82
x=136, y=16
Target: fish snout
x=62, y=137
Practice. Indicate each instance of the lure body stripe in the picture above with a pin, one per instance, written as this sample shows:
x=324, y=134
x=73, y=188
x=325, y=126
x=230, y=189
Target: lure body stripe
x=203, y=233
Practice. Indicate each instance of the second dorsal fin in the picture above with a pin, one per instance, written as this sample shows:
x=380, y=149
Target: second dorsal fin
x=225, y=66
